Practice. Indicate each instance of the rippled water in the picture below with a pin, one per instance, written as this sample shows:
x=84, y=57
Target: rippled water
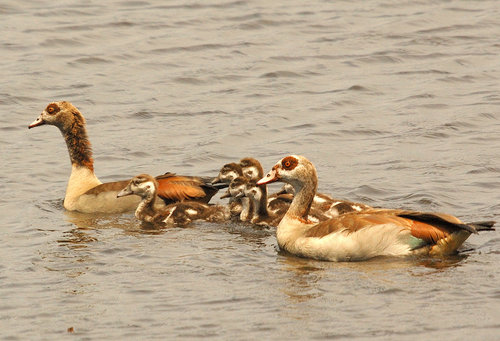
x=396, y=102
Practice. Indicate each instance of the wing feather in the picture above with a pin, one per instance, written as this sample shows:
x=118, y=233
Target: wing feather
x=429, y=227
x=173, y=187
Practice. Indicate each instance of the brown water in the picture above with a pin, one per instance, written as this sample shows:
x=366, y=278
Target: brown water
x=396, y=102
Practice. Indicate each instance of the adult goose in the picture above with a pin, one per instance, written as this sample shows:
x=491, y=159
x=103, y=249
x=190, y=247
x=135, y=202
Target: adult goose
x=85, y=193
x=323, y=205
x=360, y=235
x=176, y=214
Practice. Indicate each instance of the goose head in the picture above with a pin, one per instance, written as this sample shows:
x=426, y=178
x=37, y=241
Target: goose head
x=60, y=114
x=228, y=172
x=236, y=188
x=295, y=170
x=143, y=185
x=251, y=168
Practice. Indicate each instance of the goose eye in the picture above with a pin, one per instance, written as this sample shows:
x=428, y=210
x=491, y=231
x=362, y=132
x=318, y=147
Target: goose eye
x=289, y=163
x=52, y=109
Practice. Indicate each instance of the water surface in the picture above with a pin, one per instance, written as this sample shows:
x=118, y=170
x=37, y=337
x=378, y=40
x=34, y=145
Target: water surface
x=396, y=103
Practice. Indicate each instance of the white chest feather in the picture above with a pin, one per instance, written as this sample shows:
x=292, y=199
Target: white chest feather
x=80, y=181
x=369, y=242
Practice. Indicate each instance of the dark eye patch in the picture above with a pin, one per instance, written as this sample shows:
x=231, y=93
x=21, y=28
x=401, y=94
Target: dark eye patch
x=289, y=163
x=52, y=109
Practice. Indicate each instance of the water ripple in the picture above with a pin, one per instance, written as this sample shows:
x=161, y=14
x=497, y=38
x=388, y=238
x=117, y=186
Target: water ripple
x=395, y=102
x=281, y=74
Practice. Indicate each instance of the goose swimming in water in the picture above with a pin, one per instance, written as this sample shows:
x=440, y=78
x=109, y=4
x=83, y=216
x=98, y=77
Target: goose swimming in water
x=178, y=214
x=85, y=192
x=360, y=235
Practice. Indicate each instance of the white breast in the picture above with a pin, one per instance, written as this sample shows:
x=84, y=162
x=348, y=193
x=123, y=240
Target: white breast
x=380, y=240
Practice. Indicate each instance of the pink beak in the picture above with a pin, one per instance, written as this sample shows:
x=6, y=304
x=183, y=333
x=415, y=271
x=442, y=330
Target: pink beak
x=272, y=176
x=38, y=122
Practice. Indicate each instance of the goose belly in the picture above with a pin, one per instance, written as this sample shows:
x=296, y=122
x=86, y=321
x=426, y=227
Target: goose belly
x=105, y=202
x=382, y=240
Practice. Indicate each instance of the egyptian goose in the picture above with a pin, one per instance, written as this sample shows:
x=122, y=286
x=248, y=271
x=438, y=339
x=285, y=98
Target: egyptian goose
x=360, y=235
x=253, y=171
x=227, y=173
x=251, y=168
x=176, y=214
x=240, y=206
x=85, y=193
x=248, y=167
x=261, y=214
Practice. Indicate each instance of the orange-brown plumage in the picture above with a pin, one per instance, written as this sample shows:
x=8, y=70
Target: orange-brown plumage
x=352, y=222
x=173, y=188
x=431, y=234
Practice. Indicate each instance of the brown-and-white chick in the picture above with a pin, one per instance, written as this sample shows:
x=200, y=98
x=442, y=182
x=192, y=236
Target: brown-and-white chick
x=228, y=173
x=240, y=206
x=177, y=214
x=251, y=168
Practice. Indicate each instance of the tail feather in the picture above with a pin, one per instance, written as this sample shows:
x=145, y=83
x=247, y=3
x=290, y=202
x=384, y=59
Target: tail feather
x=438, y=220
x=483, y=225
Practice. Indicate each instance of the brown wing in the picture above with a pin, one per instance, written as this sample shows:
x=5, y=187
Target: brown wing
x=173, y=188
x=355, y=221
x=431, y=234
x=108, y=187
x=430, y=227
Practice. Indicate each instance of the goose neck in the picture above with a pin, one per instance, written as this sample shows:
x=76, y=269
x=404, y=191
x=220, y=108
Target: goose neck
x=79, y=147
x=303, y=198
